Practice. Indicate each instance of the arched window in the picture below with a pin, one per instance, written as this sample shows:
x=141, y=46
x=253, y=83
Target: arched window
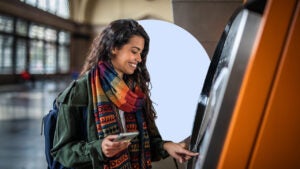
x=56, y=7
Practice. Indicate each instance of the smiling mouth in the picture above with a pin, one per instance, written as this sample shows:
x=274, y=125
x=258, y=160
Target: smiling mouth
x=133, y=65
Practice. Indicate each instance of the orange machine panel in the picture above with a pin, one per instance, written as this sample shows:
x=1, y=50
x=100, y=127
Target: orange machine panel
x=263, y=129
x=278, y=140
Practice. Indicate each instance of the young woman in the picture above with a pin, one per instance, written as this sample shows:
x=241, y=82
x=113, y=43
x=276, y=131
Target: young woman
x=113, y=89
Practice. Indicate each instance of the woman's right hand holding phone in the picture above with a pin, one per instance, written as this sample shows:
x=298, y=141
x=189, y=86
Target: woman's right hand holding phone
x=110, y=147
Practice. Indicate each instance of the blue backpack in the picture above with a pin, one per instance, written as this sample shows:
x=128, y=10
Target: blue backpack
x=49, y=125
x=49, y=122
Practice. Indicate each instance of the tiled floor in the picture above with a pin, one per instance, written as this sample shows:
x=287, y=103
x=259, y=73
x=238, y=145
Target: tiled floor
x=21, y=110
x=21, y=145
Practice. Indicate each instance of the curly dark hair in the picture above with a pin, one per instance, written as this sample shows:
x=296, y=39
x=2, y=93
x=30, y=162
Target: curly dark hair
x=116, y=35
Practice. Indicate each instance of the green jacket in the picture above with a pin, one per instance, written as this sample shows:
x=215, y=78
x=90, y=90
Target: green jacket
x=72, y=149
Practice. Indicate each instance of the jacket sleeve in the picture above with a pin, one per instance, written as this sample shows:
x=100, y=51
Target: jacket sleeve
x=156, y=143
x=70, y=148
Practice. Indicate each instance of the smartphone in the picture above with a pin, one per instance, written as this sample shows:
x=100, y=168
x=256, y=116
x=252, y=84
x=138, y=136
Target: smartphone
x=126, y=136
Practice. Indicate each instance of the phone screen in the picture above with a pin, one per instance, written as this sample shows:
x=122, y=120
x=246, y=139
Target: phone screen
x=126, y=136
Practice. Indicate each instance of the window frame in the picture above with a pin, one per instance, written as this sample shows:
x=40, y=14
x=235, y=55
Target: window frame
x=54, y=42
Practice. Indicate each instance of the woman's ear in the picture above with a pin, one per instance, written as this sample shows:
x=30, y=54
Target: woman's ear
x=114, y=51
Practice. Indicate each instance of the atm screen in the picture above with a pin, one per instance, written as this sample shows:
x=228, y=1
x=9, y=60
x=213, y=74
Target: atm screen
x=225, y=83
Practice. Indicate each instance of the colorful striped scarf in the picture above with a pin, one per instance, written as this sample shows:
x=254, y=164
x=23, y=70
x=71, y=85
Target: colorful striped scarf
x=110, y=91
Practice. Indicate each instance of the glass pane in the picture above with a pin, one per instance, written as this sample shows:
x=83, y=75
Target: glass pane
x=6, y=24
x=64, y=37
x=56, y=7
x=63, y=59
x=50, y=34
x=36, y=57
x=42, y=4
x=63, y=9
x=52, y=6
x=31, y=2
x=21, y=55
x=21, y=27
x=5, y=54
x=50, y=66
x=36, y=31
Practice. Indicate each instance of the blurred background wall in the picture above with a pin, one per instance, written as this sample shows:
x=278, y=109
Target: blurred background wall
x=50, y=38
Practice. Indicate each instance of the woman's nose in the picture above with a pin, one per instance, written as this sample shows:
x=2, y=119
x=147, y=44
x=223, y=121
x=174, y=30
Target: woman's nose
x=138, y=58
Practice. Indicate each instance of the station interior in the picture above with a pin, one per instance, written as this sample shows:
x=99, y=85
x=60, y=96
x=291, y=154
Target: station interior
x=248, y=117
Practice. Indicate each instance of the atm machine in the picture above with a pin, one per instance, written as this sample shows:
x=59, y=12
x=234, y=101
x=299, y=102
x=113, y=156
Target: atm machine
x=247, y=114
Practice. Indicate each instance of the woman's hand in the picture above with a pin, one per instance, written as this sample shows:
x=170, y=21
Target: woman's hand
x=179, y=151
x=110, y=147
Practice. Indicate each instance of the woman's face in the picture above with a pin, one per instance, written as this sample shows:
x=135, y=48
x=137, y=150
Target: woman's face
x=126, y=58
